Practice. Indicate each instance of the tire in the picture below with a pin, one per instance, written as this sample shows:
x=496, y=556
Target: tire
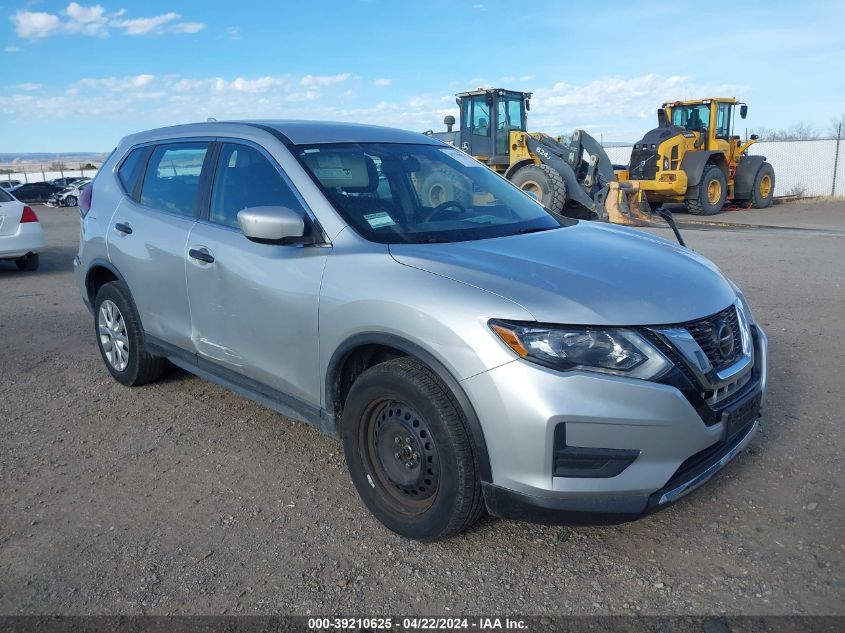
x=764, y=187
x=409, y=453
x=28, y=263
x=71, y=201
x=131, y=365
x=544, y=182
x=439, y=187
x=705, y=203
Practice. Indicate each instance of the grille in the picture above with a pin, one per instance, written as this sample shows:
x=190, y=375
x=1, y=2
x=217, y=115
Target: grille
x=704, y=333
x=647, y=171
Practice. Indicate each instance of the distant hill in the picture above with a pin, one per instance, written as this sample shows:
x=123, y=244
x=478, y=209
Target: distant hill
x=31, y=157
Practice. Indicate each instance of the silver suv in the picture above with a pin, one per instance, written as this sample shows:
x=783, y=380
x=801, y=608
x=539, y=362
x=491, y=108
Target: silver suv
x=471, y=349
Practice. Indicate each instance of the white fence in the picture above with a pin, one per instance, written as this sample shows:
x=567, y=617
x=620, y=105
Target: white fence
x=33, y=173
x=802, y=167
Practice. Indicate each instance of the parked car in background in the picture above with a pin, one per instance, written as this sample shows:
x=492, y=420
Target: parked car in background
x=9, y=184
x=21, y=235
x=35, y=191
x=66, y=181
x=69, y=196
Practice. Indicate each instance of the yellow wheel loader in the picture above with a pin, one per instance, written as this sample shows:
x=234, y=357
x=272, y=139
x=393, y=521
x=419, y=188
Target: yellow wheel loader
x=569, y=176
x=694, y=157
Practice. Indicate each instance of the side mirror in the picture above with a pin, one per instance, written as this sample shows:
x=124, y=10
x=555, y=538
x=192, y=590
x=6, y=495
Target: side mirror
x=754, y=137
x=743, y=110
x=527, y=105
x=272, y=225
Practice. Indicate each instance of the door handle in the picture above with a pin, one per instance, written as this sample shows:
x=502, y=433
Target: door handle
x=122, y=227
x=201, y=255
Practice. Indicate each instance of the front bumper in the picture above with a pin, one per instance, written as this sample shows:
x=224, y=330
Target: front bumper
x=520, y=405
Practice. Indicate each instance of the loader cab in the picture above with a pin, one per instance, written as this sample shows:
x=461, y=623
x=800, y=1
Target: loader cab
x=712, y=120
x=487, y=119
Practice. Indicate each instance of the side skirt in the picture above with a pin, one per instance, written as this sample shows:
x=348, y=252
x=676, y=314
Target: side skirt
x=243, y=386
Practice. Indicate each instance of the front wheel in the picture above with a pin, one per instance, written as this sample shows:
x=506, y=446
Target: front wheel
x=712, y=192
x=70, y=201
x=409, y=453
x=544, y=183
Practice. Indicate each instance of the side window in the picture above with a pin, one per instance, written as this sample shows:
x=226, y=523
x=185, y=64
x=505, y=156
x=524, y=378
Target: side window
x=723, y=120
x=480, y=116
x=245, y=178
x=130, y=169
x=172, y=179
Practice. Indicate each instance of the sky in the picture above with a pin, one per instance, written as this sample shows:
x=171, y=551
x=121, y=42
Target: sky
x=78, y=77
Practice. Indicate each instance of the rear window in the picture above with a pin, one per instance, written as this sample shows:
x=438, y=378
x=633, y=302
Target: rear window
x=171, y=182
x=5, y=197
x=131, y=168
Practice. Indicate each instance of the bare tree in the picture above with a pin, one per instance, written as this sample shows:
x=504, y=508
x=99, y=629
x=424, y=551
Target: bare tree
x=837, y=127
x=797, y=131
x=58, y=166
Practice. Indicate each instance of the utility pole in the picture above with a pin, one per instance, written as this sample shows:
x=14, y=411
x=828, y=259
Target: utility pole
x=836, y=159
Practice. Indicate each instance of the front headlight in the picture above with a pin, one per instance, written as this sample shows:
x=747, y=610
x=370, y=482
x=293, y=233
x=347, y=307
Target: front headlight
x=607, y=350
x=743, y=303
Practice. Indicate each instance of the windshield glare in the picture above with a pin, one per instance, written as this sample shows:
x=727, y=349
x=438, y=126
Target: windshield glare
x=406, y=193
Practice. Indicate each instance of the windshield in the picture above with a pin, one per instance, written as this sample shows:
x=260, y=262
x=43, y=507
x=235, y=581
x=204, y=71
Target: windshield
x=695, y=118
x=407, y=193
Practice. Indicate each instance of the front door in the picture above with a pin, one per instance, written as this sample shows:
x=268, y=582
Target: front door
x=254, y=306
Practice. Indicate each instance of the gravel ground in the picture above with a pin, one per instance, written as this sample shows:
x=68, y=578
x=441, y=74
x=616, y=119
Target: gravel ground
x=180, y=497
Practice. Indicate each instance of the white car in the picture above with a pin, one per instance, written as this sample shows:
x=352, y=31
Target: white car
x=69, y=196
x=21, y=235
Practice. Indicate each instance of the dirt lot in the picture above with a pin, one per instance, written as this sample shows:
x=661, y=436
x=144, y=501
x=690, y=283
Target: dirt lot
x=180, y=497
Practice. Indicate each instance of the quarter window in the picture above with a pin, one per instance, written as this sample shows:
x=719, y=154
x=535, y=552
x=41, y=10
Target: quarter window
x=171, y=182
x=131, y=168
x=245, y=178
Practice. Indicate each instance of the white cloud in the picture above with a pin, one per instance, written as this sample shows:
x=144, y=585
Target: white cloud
x=234, y=32
x=12, y=49
x=96, y=21
x=382, y=81
x=188, y=27
x=240, y=84
x=479, y=7
x=86, y=20
x=35, y=24
x=324, y=80
x=144, y=26
x=29, y=87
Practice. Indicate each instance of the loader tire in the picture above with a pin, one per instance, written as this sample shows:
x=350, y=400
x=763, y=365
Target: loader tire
x=712, y=192
x=764, y=187
x=439, y=187
x=544, y=182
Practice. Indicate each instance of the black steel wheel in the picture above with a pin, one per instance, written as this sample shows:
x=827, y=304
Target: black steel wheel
x=409, y=453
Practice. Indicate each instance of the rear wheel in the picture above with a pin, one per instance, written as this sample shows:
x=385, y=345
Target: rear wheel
x=29, y=262
x=120, y=338
x=439, y=187
x=70, y=201
x=764, y=187
x=712, y=192
x=544, y=182
x=409, y=453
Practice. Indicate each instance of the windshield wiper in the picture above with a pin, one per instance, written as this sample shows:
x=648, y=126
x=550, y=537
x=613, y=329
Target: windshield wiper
x=536, y=229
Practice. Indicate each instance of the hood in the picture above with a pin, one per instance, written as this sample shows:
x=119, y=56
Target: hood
x=590, y=273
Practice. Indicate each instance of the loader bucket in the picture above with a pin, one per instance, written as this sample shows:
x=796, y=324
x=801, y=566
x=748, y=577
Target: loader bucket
x=624, y=203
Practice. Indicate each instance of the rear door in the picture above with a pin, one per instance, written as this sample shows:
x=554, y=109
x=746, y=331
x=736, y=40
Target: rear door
x=254, y=306
x=149, y=233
